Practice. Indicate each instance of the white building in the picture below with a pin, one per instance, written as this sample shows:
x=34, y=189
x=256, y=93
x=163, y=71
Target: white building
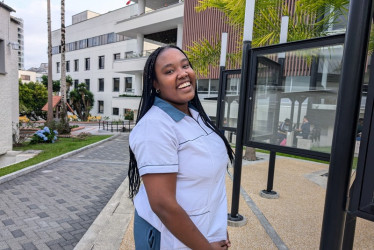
x=108, y=51
x=27, y=76
x=8, y=77
x=21, y=51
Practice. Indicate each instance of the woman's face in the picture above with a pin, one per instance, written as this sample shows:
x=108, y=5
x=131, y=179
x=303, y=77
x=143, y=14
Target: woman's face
x=176, y=80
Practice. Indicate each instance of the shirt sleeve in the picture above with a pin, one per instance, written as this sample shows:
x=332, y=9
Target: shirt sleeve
x=155, y=147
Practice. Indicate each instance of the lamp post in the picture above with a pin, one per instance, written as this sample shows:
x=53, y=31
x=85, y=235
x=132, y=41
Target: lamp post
x=222, y=65
x=234, y=216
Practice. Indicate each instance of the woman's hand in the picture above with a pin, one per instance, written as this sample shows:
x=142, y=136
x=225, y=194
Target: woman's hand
x=228, y=242
x=219, y=245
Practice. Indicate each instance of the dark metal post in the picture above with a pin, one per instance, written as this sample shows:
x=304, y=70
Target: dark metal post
x=271, y=172
x=349, y=97
x=235, y=216
x=269, y=193
x=220, y=98
x=350, y=226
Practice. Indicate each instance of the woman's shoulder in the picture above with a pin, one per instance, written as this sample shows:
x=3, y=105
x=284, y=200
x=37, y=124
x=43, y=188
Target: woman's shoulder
x=155, y=116
x=153, y=123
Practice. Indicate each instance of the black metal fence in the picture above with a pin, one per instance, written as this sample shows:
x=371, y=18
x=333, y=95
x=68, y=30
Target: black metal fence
x=115, y=126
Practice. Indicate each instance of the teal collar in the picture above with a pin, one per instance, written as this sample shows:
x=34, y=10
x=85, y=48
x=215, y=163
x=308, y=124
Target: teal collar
x=169, y=109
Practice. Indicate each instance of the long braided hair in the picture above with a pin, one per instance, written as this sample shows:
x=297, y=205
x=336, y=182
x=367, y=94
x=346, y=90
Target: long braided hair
x=146, y=102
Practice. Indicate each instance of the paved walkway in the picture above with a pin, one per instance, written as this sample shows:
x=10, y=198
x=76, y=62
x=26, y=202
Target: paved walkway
x=52, y=208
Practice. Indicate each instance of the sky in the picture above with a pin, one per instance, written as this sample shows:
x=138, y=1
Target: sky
x=34, y=15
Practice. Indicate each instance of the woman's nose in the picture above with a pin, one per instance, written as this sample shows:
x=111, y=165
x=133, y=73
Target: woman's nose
x=182, y=74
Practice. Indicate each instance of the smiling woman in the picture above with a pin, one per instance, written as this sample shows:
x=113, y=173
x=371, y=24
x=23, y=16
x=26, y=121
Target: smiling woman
x=176, y=80
x=179, y=153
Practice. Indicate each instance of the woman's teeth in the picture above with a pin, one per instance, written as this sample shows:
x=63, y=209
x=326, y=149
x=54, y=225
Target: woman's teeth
x=186, y=84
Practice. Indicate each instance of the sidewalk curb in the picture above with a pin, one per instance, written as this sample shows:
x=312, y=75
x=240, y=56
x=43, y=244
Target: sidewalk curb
x=32, y=168
x=109, y=228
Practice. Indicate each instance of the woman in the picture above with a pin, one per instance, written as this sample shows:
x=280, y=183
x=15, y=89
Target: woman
x=182, y=158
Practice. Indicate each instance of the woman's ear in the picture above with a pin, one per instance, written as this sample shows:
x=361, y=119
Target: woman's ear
x=155, y=84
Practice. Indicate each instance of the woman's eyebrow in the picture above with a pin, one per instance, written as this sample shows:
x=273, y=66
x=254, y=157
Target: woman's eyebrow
x=167, y=65
x=170, y=64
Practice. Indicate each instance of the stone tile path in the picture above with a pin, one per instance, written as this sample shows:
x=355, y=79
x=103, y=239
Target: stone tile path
x=52, y=208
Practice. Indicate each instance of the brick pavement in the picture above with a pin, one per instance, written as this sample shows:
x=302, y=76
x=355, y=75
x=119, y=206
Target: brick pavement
x=52, y=208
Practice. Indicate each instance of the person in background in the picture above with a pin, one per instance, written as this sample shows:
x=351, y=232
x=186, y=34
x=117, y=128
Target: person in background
x=283, y=128
x=305, y=128
x=181, y=157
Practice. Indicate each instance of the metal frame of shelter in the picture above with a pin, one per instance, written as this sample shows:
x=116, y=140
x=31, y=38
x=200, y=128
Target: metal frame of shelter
x=335, y=227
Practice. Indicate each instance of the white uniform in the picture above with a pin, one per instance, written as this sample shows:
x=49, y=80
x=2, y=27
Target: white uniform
x=168, y=141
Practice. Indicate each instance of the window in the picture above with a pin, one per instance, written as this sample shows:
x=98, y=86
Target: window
x=111, y=37
x=2, y=57
x=115, y=111
x=116, y=56
x=115, y=84
x=214, y=83
x=203, y=86
x=129, y=54
x=101, y=84
x=101, y=107
x=76, y=65
x=25, y=77
x=101, y=62
x=67, y=66
x=76, y=82
x=58, y=67
x=128, y=84
x=87, y=82
x=87, y=64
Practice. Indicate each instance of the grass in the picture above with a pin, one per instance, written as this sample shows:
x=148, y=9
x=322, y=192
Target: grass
x=292, y=156
x=62, y=146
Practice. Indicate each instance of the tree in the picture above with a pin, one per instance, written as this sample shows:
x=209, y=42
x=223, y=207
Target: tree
x=32, y=98
x=50, y=105
x=81, y=100
x=64, y=121
x=55, y=84
x=266, y=27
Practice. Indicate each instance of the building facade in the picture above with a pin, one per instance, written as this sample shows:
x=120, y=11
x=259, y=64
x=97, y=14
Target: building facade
x=8, y=77
x=21, y=51
x=108, y=51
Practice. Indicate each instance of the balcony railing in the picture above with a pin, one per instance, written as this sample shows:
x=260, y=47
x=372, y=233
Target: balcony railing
x=144, y=53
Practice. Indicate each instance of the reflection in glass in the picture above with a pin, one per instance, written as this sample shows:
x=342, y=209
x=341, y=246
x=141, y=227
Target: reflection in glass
x=295, y=98
x=231, y=101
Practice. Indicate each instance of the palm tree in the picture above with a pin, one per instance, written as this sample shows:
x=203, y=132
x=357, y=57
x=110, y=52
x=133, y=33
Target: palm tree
x=50, y=106
x=64, y=118
x=266, y=28
x=81, y=101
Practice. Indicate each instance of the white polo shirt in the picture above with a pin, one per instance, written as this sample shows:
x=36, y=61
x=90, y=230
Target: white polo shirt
x=166, y=140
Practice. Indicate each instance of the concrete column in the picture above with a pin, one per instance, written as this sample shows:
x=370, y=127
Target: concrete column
x=138, y=84
x=139, y=43
x=141, y=7
x=180, y=35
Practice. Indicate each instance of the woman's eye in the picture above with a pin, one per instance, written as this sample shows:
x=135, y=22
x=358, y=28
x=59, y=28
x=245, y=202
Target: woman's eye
x=169, y=71
x=186, y=66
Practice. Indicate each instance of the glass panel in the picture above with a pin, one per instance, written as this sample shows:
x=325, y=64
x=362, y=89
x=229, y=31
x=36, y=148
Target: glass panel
x=214, y=85
x=203, y=86
x=297, y=109
x=231, y=103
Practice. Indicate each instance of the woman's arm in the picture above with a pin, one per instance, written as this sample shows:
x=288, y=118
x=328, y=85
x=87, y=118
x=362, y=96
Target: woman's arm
x=161, y=191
